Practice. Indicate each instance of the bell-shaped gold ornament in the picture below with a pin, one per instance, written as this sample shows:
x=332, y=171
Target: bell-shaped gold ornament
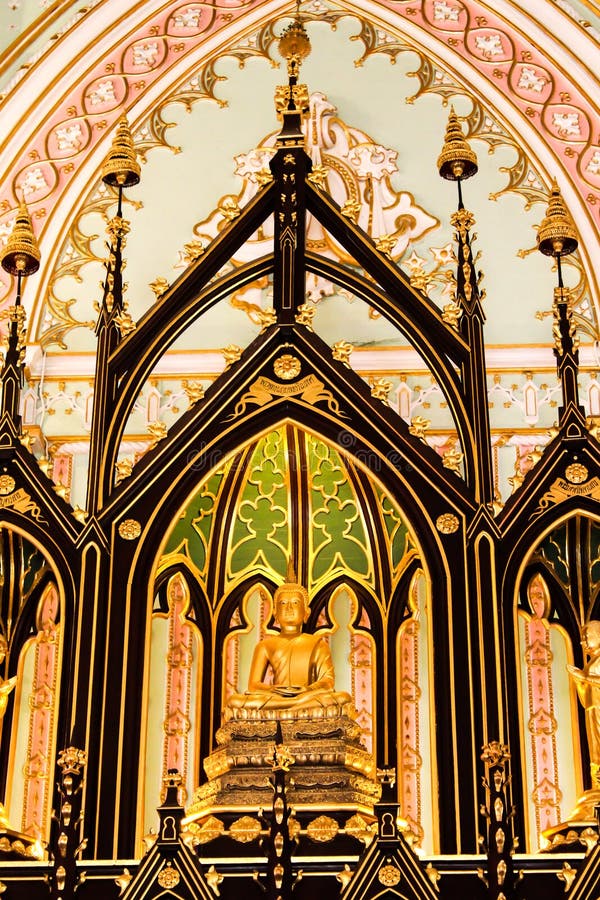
x=121, y=168
x=456, y=160
x=557, y=235
x=21, y=255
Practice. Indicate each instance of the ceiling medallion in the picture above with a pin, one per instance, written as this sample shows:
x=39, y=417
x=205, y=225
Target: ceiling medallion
x=447, y=523
x=576, y=473
x=287, y=367
x=389, y=875
x=7, y=484
x=168, y=877
x=130, y=529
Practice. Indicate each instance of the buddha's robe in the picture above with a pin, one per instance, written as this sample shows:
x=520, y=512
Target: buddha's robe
x=302, y=671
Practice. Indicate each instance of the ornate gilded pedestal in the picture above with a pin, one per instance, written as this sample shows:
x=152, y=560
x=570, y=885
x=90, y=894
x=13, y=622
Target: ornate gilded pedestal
x=331, y=766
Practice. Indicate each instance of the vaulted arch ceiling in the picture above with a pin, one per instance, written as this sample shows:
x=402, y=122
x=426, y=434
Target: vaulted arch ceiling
x=196, y=81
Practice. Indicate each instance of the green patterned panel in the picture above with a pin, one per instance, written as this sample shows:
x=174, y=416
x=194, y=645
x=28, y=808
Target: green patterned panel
x=338, y=538
x=399, y=542
x=553, y=550
x=33, y=563
x=192, y=531
x=260, y=534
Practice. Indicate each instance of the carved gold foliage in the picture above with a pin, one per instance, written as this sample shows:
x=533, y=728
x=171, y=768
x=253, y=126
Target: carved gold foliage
x=322, y=829
x=451, y=314
x=194, y=391
x=318, y=175
x=341, y=351
x=418, y=427
x=125, y=323
x=266, y=317
x=567, y=875
x=433, y=875
x=245, y=829
x=192, y=251
x=380, y=388
x=229, y=208
x=305, y=315
x=122, y=881
x=231, y=353
x=158, y=430
x=214, y=879
x=385, y=244
x=452, y=459
x=159, y=287
x=359, y=827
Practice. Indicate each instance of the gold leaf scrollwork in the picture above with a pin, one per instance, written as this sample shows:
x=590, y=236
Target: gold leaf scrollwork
x=265, y=391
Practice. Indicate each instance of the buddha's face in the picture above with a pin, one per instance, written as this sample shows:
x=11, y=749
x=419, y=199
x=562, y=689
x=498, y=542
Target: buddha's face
x=290, y=611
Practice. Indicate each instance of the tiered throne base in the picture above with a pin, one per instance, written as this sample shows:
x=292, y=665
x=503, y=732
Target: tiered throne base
x=331, y=765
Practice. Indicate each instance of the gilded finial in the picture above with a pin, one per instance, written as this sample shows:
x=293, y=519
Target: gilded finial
x=21, y=255
x=556, y=234
x=294, y=44
x=456, y=160
x=121, y=168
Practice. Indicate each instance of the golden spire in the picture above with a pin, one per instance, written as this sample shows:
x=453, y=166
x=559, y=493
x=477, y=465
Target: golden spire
x=456, y=160
x=21, y=255
x=556, y=234
x=121, y=168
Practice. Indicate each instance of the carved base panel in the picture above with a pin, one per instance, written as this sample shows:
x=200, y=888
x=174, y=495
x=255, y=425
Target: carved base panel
x=317, y=786
x=331, y=766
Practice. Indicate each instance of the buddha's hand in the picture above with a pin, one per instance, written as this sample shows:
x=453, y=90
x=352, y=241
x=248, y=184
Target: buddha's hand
x=288, y=690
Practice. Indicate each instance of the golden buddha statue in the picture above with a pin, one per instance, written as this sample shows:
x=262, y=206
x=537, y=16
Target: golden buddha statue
x=300, y=665
x=587, y=682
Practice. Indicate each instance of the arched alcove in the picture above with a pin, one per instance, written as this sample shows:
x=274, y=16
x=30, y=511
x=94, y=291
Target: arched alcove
x=557, y=596
x=33, y=616
x=288, y=494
